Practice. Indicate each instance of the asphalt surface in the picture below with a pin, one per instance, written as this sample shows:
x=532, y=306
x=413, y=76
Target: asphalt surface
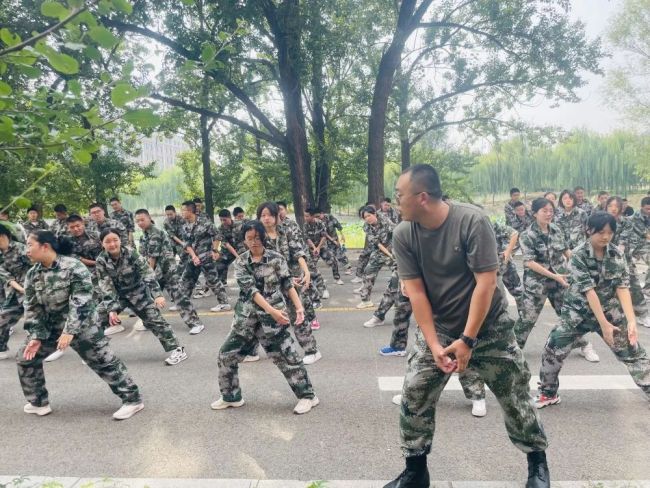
x=351, y=435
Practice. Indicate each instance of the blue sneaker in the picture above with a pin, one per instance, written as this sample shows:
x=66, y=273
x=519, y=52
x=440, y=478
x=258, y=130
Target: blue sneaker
x=389, y=351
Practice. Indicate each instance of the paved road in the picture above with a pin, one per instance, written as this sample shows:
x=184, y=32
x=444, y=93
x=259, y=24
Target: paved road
x=352, y=435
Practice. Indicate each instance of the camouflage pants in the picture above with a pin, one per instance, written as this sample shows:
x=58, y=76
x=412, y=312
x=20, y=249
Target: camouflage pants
x=377, y=261
x=144, y=308
x=562, y=339
x=316, y=279
x=339, y=252
x=388, y=298
x=191, y=275
x=330, y=258
x=393, y=296
x=222, y=266
x=93, y=348
x=277, y=343
x=171, y=282
x=536, y=291
x=10, y=315
x=638, y=298
x=498, y=361
x=511, y=280
x=363, y=261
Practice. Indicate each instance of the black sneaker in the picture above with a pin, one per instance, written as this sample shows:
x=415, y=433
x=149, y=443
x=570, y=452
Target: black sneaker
x=538, y=473
x=411, y=479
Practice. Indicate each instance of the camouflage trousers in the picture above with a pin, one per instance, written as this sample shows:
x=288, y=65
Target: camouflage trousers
x=308, y=296
x=171, y=282
x=142, y=305
x=362, y=262
x=570, y=329
x=340, y=254
x=93, y=348
x=393, y=296
x=637, y=292
x=208, y=267
x=10, y=314
x=536, y=290
x=511, y=280
x=499, y=362
x=316, y=279
x=222, y=266
x=279, y=346
x=377, y=261
x=330, y=258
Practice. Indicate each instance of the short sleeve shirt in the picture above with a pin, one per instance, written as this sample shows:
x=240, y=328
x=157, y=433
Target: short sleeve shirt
x=446, y=260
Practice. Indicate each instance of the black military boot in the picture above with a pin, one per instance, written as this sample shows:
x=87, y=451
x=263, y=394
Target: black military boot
x=538, y=474
x=416, y=474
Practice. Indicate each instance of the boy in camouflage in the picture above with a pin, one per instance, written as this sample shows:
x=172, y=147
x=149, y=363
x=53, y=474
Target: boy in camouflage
x=123, y=216
x=173, y=225
x=598, y=300
x=316, y=239
x=335, y=243
x=260, y=313
x=507, y=239
x=99, y=223
x=231, y=243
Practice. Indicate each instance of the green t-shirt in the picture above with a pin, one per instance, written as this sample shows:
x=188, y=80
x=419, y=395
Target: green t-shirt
x=445, y=259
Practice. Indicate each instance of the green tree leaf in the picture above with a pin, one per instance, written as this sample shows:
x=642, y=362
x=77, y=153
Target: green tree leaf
x=123, y=6
x=82, y=156
x=54, y=9
x=22, y=202
x=124, y=93
x=102, y=36
x=8, y=38
x=5, y=89
x=62, y=63
x=143, y=118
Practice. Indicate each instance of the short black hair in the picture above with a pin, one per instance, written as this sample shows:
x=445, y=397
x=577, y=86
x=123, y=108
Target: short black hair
x=190, y=204
x=367, y=209
x=514, y=190
x=603, y=192
x=272, y=207
x=645, y=201
x=114, y=199
x=237, y=210
x=59, y=207
x=578, y=188
x=197, y=200
x=598, y=220
x=572, y=196
x=96, y=205
x=550, y=193
x=60, y=245
x=426, y=178
x=74, y=218
x=142, y=211
x=386, y=200
x=111, y=230
x=312, y=210
x=255, y=225
x=517, y=204
x=33, y=209
x=618, y=200
x=224, y=213
x=282, y=203
x=540, y=203
x=170, y=207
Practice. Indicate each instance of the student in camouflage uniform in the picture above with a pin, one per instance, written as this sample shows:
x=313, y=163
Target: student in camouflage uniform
x=156, y=248
x=598, y=300
x=522, y=219
x=447, y=259
x=403, y=310
x=545, y=270
x=581, y=202
x=60, y=224
x=14, y=227
x=364, y=256
x=507, y=239
x=34, y=222
x=13, y=268
x=200, y=239
x=602, y=197
x=231, y=241
x=631, y=243
x=265, y=284
x=239, y=214
x=572, y=220
x=86, y=245
x=336, y=244
x=99, y=223
x=387, y=211
x=60, y=312
x=123, y=216
x=127, y=281
x=637, y=244
x=316, y=238
x=173, y=225
x=509, y=207
x=379, y=239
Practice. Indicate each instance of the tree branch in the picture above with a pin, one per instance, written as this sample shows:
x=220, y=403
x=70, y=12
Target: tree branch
x=447, y=123
x=473, y=30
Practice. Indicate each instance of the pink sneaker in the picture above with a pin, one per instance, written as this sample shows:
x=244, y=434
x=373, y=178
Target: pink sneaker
x=315, y=325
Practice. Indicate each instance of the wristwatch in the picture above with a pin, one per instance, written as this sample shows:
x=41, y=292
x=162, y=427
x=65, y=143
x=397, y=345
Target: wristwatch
x=469, y=341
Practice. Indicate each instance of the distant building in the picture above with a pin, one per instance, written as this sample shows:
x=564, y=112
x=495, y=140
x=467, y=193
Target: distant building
x=161, y=150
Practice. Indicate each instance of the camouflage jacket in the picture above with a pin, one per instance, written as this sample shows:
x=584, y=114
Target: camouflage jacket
x=232, y=235
x=174, y=228
x=332, y=225
x=287, y=245
x=573, y=225
x=509, y=212
x=59, y=298
x=503, y=234
x=380, y=233
x=635, y=234
x=109, y=224
x=86, y=246
x=520, y=224
x=270, y=277
x=587, y=272
x=155, y=243
x=293, y=232
x=586, y=206
x=129, y=275
x=125, y=218
x=546, y=250
x=60, y=228
x=315, y=231
x=14, y=267
x=200, y=236
x=29, y=226
x=392, y=215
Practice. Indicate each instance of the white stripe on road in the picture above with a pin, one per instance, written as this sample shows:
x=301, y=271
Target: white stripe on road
x=567, y=382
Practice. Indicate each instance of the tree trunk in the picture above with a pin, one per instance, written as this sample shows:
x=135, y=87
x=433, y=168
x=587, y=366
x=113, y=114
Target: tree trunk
x=207, y=169
x=404, y=119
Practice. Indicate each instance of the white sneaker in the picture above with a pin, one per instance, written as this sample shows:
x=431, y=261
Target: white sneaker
x=588, y=353
x=304, y=405
x=221, y=404
x=366, y=304
x=197, y=329
x=251, y=359
x=40, y=411
x=356, y=279
x=357, y=291
x=54, y=356
x=173, y=308
x=326, y=295
x=348, y=272
x=373, y=322
x=312, y=358
x=222, y=307
x=176, y=356
x=139, y=326
x=6, y=355
x=397, y=400
x=339, y=282
x=128, y=411
x=114, y=329
x=478, y=408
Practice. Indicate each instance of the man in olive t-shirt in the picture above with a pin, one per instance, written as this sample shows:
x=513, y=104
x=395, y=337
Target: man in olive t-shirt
x=447, y=260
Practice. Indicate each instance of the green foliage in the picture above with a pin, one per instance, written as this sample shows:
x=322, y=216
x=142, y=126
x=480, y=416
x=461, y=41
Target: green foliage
x=156, y=193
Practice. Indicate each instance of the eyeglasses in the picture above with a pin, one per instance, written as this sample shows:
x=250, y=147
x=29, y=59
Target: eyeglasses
x=254, y=239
